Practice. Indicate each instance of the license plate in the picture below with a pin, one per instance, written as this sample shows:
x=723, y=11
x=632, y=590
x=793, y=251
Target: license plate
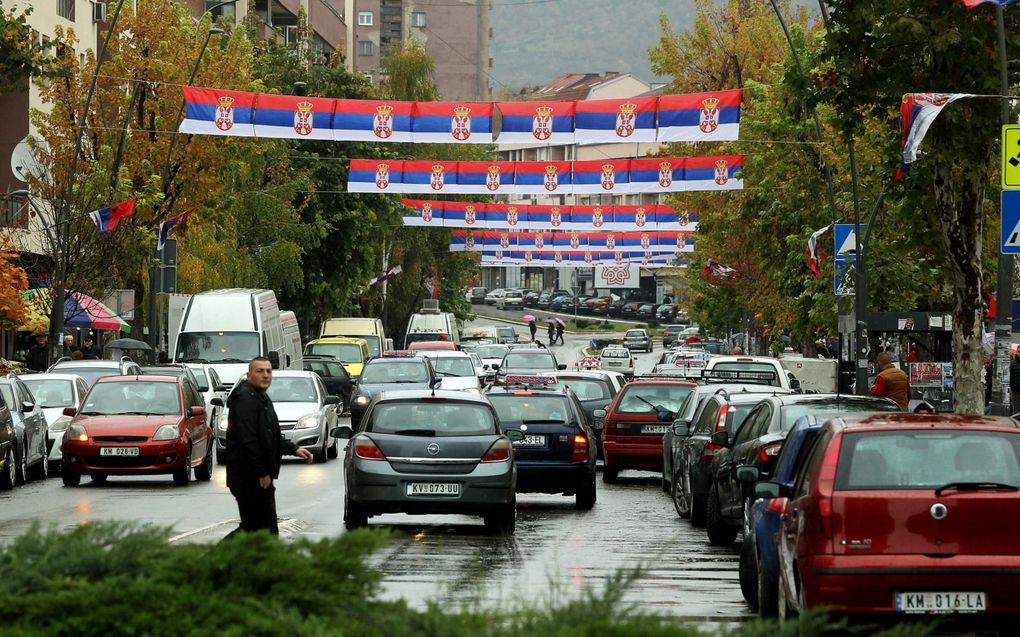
x=433, y=488
x=654, y=429
x=531, y=441
x=941, y=602
x=614, y=364
x=118, y=451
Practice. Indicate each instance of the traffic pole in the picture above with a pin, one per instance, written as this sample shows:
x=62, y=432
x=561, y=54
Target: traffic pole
x=1004, y=287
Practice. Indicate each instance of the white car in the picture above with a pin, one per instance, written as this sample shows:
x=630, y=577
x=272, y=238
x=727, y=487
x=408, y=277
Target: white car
x=93, y=370
x=54, y=393
x=492, y=355
x=617, y=358
x=511, y=299
x=455, y=369
x=210, y=386
x=766, y=364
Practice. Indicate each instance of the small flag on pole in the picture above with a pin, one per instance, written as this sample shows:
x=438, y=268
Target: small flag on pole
x=395, y=270
x=713, y=267
x=106, y=219
x=918, y=111
x=970, y=4
x=171, y=223
x=815, y=254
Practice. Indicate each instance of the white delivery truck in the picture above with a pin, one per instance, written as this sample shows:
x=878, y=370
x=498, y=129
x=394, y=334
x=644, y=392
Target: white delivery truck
x=176, y=304
x=228, y=328
x=432, y=325
x=291, y=341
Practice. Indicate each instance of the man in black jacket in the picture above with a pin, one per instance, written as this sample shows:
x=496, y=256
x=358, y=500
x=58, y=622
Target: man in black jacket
x=255, y=448
x=38, y=357
x=1014, y=383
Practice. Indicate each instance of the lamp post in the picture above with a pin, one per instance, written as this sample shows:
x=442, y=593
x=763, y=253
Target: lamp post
x=1004, y=288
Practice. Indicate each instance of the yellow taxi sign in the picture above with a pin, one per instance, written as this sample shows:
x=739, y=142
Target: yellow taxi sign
x=1010, y=166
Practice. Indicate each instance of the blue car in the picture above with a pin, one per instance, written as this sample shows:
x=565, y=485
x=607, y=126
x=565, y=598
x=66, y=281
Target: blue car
x=397, y=369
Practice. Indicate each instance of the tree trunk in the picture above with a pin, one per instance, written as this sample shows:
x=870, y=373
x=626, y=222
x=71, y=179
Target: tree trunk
x=962, y=229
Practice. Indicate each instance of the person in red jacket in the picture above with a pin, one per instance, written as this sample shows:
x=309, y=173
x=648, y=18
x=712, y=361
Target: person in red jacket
x=891, y=382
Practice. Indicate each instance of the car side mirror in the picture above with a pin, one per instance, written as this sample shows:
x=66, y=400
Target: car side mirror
x=70, y=411
x=766, y=489
x=354, y=381
x=720, y=438
x=794, y=384
x=196, y=411
x=495, y=367
x=331, y=400
x=343, y=432
x=436, y=383
x=561, y=366
x=27, y=406
x=514, y=435
x=274, y=359
x=222, y=387
x=748, y=474
x=599, y=414
x=217, y=402
x=203, y=388
x=681, y=430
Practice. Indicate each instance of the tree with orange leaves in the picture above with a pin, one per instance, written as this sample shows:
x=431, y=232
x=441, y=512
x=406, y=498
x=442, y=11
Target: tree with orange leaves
x=13, y=281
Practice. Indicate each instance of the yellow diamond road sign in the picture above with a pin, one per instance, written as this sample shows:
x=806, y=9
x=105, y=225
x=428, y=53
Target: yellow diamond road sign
x=1011, y=156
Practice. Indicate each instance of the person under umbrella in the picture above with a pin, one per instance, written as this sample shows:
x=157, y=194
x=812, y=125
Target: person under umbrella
x=533, y=328
x=552, y=331
x=559, y=330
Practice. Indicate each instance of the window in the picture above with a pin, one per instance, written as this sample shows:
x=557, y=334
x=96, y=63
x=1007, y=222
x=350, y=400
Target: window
x=418, y=19
x=65, y=9
x=218, y=9
x=365, y=47
x=364, y=18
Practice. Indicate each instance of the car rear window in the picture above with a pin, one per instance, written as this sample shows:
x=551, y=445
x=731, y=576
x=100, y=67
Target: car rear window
x=535, y=360
x=736, y=366
x=827, y=408
x=634, y=334
x=735, y=416
x=636, y=398
x=395, y=371
x=926, y=459
x=511, y=408
x=587, y=388
x=446, y=418
x=616, y=353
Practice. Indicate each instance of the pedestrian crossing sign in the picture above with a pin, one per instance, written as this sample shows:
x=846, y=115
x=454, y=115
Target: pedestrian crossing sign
x=1010, y=220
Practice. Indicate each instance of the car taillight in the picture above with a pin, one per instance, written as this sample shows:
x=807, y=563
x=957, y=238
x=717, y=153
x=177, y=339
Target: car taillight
x=366, y=449
x=777, y=505
x=710, y=450
x=767, y=453
x=498, y=452
x=720, y=422
x=826, y=482
x=580, y=448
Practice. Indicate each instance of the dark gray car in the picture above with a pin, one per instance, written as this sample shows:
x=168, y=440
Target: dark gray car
x=423, y=452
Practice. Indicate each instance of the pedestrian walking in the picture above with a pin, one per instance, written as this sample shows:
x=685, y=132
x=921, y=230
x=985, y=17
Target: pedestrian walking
x=552, y=332
x=891, y=382
x=255, y=449
x=559, y=332
x=534, y=329
x=1014, y=383
x=88, y=349
x=69, y=346
x=38, y=358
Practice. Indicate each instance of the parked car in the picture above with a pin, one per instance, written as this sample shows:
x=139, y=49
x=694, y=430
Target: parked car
x=476, y=296
x=637, y=339
x=547, y=296
x=422, y=452
x=531, y=298
x=138, y=425
x=669, y=335
x=493, y=296
x=8, y=450
x=334, y=376
x=54, y=393
x=617, y=359
x=32, y=454
x=92, y=370
x=615, y=309
x=595, y=389
x=665, y=313
x=630, y=309
x=646, y=312
x=510, y=300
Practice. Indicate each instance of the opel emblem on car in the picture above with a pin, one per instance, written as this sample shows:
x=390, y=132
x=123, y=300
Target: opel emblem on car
x=433, y=449
x=939, y=511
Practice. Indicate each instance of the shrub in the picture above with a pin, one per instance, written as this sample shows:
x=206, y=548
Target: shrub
x=582, y=324
x=653, y=323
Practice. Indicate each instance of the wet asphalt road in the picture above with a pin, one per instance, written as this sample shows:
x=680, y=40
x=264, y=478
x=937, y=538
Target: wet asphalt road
x=447, y=559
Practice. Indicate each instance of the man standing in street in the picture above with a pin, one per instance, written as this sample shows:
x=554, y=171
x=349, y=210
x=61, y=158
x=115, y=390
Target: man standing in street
x=891, y=382
x=1014, y=383
x=38, y=358
x=88, y=349
x=69, y=346
x=255, y=449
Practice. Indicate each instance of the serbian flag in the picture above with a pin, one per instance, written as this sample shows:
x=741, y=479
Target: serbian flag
x=106, y=219
x=548, y=216
x=430, y=177
x=537, y=122
x=427, y=213
x=171, y=223
x=657, y=174
x=485, y=177
x=713, y=267
x=372, y=121
x=970, y=4
x=626, y=120
x=392, y=272
x=210, y=111
x=815, y=254
x=293, y=117
x=918, y=111
x=466, y=214
x=718, y=172
x=543, y=177
x=375, y=175
x=452, y=122
x=681, y=221
x=700, y=117
x=601, y=176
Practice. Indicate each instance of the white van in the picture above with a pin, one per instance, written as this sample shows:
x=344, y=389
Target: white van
x=291, y=340
x=370, y=329
x=432, y=325
x=228, y=328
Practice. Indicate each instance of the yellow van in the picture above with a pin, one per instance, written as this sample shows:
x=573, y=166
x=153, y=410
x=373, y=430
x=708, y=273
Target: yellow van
x=352, y=352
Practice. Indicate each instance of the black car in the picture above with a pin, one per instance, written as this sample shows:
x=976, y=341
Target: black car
x=397, y=370
x=595, y=391
x=546, y=297
x=527, y=361
x=8, y=442
x=616, y=308
x=557, y=451
x=334, y=376
x=630, y=309
x=669, y=335
x=666, y=313
x=531, y=298
x=562, y=302
x=477, y=295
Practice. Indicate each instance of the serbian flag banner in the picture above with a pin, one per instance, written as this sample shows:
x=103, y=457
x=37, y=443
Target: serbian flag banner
x=657, y=174
x=719, y=172
x=430, y=177
x=106, y=219
x=543, y=177
x=465, y=214
x=970, y=4
x=589, y=217
x=375, y=175
x=427, y=213
x=815, y=254
x=372, y=121
x=626, y=120
x=551, y=217
x=210, y=111
x=452, y=122
x=700, y=117
x=169, y=224
x=537, y=122
x=601, y=176
x=291, y=117
x=485, y=177
x=918, y=111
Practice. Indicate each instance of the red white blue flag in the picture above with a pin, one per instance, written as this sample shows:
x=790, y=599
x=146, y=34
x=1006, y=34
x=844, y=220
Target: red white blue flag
x=452, y=122
x=106, y=219
x=386, y=276
x=718, y=172
x=657, y=174
x=543, y=177
x=210, y=111
x=485, y=177
x=430, y=176
x=601, y=177
x=171, y=223
x=537, y=122
x=625, y=120
x=293, y=117
x=697, y=117
x=815, y=254
x=372, y=121
x=970, y=4
x=918, y=111
x=714, y=268
x=375, y=175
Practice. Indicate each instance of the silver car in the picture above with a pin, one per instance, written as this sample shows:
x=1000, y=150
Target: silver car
x=424, y=452
x=55, y=393
x=637, y=339
x=30, y=428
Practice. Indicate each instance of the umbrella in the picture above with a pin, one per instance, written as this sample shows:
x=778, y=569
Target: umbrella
x=528, y=317
x=550, y=320
x=560, y=321
x=128, y=343
x=80, y=310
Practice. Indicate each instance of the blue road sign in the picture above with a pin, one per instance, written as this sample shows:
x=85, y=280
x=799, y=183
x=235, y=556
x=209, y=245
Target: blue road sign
x=845, y=256
x=1010, y=222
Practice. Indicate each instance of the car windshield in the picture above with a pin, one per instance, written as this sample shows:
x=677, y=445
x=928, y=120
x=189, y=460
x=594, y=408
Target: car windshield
x=927, y=459
x=217, y=347
x=639, y=399
x=512, y=408
x=833, y=407
x=615, y=352
x=528, y=360
x=90, y=374
x=453, y=365
x=346, y=352
x=151, y=398
x=492, y=351
x=440, y=417
x=587, y=388
x=292, y=390
x=49, y=392
x=395, y=371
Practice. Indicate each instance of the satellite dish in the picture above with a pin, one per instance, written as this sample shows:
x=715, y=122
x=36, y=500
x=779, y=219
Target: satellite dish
x=24, y=162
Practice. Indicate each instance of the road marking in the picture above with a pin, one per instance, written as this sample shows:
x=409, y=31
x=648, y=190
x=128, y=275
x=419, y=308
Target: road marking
x=289, y=527
x=203, y=529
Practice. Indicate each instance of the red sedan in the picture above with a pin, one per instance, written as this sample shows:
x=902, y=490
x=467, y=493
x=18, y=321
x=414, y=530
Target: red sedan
x=138, y=425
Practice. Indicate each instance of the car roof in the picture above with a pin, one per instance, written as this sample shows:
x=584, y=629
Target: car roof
x=659, y=381
x=449, y=394
x=51, y=376
x=806, y=399
x=442, y=353
x=337, y=340
x=741, y=358
x=892, y=420
x=580, y=373
x=85, y=362
x=293, y=373
x=145, y=378
x=529, y=350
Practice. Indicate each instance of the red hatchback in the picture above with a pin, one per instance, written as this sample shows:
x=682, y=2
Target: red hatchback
x=896, y=514
x=635, y=422
x=138, y=425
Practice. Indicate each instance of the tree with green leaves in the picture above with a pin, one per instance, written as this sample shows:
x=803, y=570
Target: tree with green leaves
x=22, y=55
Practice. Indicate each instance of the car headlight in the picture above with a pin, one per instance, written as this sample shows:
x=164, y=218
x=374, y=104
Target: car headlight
x=307, y=421
x=76, y=432
x=361, y=401
x=60, y=424
x=221, y=424
x=167, y=432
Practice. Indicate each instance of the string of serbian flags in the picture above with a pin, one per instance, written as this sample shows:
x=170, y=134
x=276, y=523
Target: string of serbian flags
x=694, y=117
x=651, y=241
x=579, y=258
x=516, y=216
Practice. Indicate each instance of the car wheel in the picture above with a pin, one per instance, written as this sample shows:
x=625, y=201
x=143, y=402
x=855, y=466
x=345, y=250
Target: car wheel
x=322, y=453
x=748, y=571
x=355, y=517
x=41, y=471
x=767, y=593
x=221, y=456
x=22, y=464
x=334, y=449
x=698, y=504
x=609, y=475
x=783, y=609
x=719, y=533
x=584, y=500
x=182, y=476
x=70, y=478
x=503, y=522
x=681, y=501
x=8, y=479
x=203, y=472
x=99, y=478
